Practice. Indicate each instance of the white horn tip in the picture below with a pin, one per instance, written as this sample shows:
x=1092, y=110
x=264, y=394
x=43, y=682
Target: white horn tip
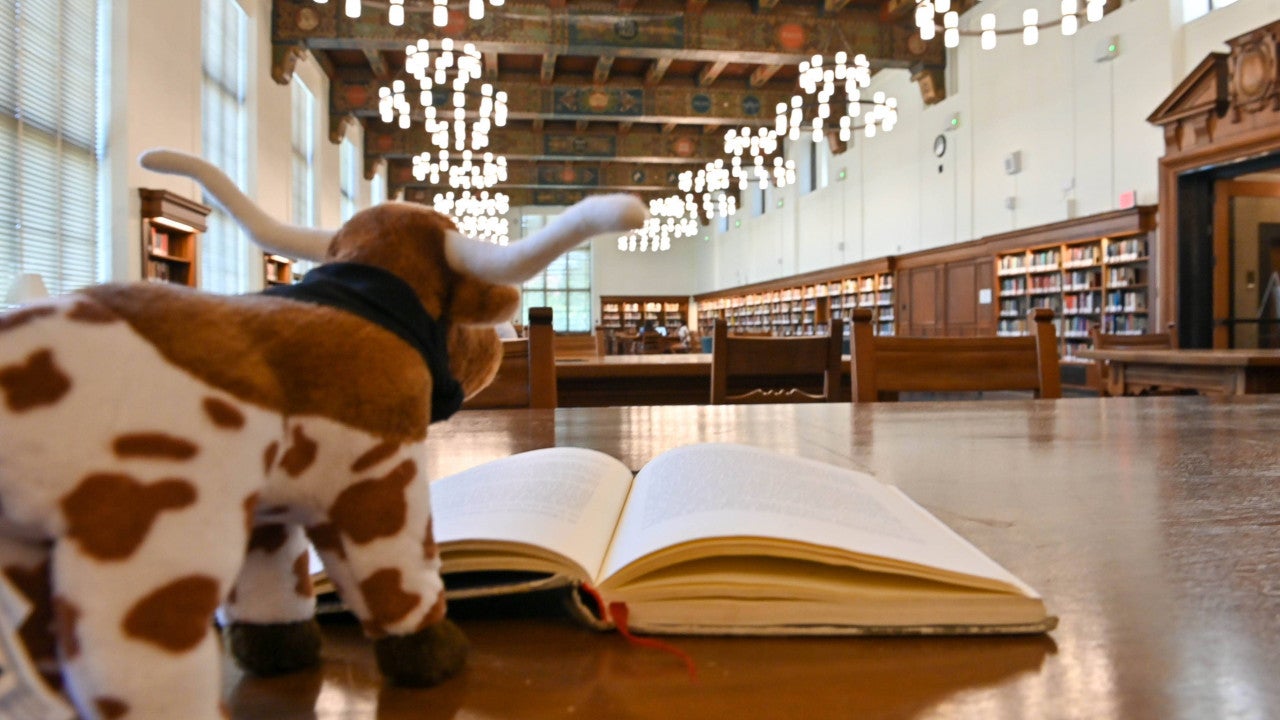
x=616, y=212
x=165, y=161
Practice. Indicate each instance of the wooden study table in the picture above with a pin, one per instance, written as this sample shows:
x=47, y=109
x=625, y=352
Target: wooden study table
x=1221, y=372
x=1148, y=524
x=676, y=379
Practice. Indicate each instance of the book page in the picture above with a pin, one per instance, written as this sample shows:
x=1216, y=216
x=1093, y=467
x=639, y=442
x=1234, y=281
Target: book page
x=564, y=499
x=725, y=490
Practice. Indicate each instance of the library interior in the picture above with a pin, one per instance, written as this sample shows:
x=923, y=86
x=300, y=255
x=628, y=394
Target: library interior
x=1014, y=262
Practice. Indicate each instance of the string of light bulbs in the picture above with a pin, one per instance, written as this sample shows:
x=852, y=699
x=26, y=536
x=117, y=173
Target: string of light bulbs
x=469, y=172
x=439, y=10
x=930, y=14
x=479, y=215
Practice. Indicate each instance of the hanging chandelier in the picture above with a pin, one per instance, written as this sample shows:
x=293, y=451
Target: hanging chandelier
x=762, y=149
x=711, y=184
x=830, y=99
x=930, y=14
x=439, y=10
x=481, y=215
x=670, y=218
x=467, y=173
x=450, y=73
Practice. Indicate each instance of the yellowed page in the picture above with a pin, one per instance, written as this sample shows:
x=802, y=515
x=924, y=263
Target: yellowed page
x=724, y=490
x=566, y=500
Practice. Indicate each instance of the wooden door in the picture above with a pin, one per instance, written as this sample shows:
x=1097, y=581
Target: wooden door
x=1241, y=268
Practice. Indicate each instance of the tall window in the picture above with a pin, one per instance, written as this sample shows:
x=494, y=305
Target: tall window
x=1192, y=9
x=378, y=188
x=349, y=176
x=224, y=248
x=52, y=72
x=303, y=156
x=565, y=286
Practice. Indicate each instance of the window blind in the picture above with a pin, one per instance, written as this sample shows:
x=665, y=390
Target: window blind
x=349, y=177
x=224, y=247
x=303, y=161
x=51, y=68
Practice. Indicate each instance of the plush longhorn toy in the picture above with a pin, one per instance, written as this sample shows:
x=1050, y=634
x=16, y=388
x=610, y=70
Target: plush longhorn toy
x=149, y=434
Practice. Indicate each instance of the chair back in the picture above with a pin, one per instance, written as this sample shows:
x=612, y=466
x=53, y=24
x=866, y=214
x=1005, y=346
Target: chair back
x=1149, y=341
x=885, y=366
x=1109, y=341
x=761, y=369
x=527, y=376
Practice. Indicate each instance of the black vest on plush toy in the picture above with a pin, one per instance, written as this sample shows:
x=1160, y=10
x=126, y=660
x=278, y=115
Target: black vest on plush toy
x=387, y=301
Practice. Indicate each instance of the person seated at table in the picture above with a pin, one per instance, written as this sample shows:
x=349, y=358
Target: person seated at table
x=684, y=339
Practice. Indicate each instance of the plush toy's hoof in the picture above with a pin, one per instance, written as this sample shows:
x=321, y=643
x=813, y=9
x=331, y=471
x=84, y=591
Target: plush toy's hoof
x=425, y=658
x=276, y=648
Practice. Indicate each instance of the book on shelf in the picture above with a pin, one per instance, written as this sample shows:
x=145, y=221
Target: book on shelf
x=159, y=241
x=720, y=539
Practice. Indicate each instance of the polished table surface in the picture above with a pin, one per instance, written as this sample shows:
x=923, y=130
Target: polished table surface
x=1230, y=371
x=1150, y=525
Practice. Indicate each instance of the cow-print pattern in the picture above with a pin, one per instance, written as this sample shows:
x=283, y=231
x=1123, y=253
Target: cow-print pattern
x=142, y=487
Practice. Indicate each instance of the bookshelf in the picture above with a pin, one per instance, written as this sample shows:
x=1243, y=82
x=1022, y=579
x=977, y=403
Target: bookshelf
x=628, y=313
x=171, y=228
x=805, y=305
x=1101, y=282
x=276, y=270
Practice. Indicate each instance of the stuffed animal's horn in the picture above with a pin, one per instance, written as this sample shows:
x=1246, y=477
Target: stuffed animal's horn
x=521, y=260
x=273, y=236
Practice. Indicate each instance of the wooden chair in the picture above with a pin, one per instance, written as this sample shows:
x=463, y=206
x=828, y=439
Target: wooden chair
x=756, y=369
x=885, y=366
x=527, y=376
x=1108, y=341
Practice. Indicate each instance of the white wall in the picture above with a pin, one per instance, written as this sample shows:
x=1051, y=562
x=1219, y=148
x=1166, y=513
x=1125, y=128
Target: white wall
x=155, y=101
x=1079, y=124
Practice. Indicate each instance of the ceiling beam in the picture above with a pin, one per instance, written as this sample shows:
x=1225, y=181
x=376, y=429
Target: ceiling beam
x=377, y=63
x=679, y=102
x=830, y=6
x=656, y=71
x=614, y=176
x=520, y=197
x=784, y=35
x=641, y=145
x=763, y=74
x=710, y=72
x=601, y=73
x=548, y=71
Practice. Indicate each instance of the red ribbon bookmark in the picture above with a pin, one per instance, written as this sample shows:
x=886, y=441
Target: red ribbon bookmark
x=619, y=614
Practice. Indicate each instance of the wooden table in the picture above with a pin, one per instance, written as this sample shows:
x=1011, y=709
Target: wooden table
x=1148, y=524
x=678, y=379
x=1222, y=372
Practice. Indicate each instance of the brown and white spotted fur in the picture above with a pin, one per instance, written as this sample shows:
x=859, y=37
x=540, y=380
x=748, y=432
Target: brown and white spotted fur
x=149, y=434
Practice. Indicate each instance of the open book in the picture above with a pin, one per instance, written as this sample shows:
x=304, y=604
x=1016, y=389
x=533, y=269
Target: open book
x=722, y=539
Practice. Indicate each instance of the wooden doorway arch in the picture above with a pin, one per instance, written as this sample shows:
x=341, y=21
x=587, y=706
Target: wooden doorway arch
x=1224, y=114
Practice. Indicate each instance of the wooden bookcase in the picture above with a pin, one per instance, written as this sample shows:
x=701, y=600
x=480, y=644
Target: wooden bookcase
x=171, y=228
x=276, y=270
x=629, y=313
x=805, y=305
x=1102, y=282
